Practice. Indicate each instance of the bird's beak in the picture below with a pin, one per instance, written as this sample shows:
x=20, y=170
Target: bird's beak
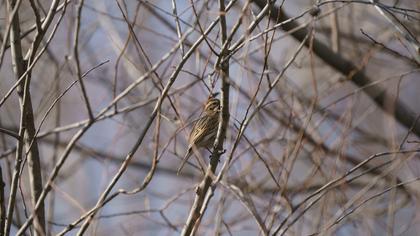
x=213, y=95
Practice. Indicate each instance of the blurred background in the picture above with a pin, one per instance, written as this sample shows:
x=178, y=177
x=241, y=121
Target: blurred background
x=323, y=135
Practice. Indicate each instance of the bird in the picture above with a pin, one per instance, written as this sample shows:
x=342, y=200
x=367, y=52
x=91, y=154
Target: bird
x=204, y=130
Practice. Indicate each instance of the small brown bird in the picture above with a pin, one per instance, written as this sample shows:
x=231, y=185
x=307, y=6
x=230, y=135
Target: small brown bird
x=204, y=130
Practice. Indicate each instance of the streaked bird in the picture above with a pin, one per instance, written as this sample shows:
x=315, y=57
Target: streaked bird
x=204, y=130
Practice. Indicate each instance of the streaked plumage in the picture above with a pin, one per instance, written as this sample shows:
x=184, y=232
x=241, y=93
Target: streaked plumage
x=204, y=130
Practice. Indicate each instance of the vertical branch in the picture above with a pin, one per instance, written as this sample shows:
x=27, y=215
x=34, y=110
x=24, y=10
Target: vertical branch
x=7, y=31
x=219, y=215
x=26, y=133
x=2, y=207
x=204, y=191
x=14, y=184
x=391, y=209
x=76, y=58
x=335, y=37
x=27, y=137
x=34, y=164
x=51, y=201
x=178, y=26
x=18, y=68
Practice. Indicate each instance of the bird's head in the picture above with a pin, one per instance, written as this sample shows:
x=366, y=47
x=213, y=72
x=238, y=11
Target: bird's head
x=212, y=106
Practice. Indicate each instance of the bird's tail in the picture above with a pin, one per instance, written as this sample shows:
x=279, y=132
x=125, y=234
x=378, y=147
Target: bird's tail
x=187, y=155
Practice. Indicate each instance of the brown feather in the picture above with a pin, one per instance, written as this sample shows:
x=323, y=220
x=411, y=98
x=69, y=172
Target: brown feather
x=204, y=130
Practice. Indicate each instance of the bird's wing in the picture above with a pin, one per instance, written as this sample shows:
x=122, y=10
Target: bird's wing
x=198, y=130
x=202, y=131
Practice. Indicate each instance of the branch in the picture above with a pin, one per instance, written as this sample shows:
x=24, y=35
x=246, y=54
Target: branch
x=2, y=205
x=203, y=192
x=401, y=112
x=77, y=59
x=157, y=108
x=9, y=132
x=26, y=132
x=401, y=28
